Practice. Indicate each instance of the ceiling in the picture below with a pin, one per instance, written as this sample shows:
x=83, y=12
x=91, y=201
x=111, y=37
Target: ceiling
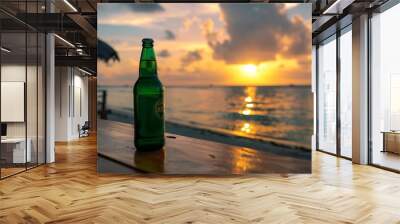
x=74, y=22
x=331, y=15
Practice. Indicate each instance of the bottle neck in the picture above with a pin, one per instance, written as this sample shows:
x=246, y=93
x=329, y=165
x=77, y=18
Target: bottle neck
x=148, y=64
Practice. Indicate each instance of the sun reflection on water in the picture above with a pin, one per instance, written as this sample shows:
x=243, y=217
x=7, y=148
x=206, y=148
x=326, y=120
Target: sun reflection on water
x=248, y=99
x=246, y=128
x=247, y=109
x=246, y=112
x=250, y=105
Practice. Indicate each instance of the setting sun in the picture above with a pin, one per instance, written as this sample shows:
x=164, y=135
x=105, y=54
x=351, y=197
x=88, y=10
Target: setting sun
x=187, y=53
x=249, y=69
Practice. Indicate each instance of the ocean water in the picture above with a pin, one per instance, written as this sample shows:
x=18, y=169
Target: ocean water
x=280, y=112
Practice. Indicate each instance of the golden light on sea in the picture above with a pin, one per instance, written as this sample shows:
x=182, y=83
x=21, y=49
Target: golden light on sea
x=248, y=99
x=250, y=105
x=246, y=128
x=246, y=112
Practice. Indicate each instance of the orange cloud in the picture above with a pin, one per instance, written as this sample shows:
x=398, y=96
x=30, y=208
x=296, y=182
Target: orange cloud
x=211, y=45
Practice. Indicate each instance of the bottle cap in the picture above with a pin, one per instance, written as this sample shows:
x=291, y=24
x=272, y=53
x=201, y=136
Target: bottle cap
x=147, y=41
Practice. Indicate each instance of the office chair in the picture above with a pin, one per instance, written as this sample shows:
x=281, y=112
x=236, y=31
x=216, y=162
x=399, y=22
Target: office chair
x=84, y=130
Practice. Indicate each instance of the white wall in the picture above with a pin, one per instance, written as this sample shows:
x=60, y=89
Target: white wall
x=13, y=100
x=71, y=87
x=62, y=81
x=33, y=126
x=12, y=73
x=80, y=110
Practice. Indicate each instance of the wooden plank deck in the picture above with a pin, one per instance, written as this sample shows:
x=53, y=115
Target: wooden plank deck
x=185, y=156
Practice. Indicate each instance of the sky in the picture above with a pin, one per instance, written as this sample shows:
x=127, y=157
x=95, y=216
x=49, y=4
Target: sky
x=209, y=44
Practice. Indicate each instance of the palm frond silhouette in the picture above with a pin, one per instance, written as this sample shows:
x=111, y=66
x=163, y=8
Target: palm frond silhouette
x=105, y=52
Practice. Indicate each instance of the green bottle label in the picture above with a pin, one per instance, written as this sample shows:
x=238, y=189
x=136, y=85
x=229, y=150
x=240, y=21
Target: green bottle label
x=159, y=108
x=150, y=112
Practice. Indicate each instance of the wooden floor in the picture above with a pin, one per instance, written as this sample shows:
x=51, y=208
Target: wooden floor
x=387, y=159
x=70, y=191
x=10, y=171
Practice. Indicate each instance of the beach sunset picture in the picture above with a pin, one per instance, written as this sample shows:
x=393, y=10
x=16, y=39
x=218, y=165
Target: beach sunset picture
x=222, y=88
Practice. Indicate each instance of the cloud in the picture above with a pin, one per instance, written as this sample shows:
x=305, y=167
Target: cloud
x=301, y=38
x=190, y=57
x=207, y=28
x=169, y=35
x=146, y=7
x=164, y=53
x=257, y=33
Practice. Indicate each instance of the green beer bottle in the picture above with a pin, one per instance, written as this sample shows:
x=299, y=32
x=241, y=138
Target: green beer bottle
x=148, y=101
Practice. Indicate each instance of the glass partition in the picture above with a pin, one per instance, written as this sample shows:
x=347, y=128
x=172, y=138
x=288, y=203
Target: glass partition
x=14, y=153
x=385, y=89
x=346, y=92
x=327, y=95
x=22, y=88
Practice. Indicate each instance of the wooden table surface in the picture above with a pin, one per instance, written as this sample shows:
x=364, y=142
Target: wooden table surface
x=189, y=156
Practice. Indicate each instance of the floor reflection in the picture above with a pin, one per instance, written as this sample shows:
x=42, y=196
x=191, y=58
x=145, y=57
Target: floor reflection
x=151, y=161
x=243, y=160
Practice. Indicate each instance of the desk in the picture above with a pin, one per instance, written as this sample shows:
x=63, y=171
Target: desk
x=391, y=141
x=185, y=155
x=16, y=147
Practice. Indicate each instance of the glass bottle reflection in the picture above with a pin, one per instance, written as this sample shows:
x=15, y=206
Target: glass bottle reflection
x=150, y=161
